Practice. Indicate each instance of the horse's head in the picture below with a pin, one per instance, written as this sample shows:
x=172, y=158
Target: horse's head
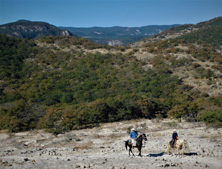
x=144, y=137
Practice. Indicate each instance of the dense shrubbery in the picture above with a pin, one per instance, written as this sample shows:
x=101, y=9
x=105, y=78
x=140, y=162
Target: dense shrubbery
x=12, y=53
x=20, y=115
x=210, y=35
x=213, y=118
x=60, y=91
x=216, y=100
x=102, y=88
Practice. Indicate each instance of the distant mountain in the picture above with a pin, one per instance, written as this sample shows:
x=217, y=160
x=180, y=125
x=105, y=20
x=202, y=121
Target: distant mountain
x=208, y=32
x=104, y=35
x=30, y=30
x=117, y=35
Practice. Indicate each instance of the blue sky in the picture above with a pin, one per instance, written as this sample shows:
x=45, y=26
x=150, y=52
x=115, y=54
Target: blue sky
x=105, y=13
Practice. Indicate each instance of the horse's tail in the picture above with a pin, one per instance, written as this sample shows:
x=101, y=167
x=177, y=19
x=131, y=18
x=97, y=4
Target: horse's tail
x=126, y=144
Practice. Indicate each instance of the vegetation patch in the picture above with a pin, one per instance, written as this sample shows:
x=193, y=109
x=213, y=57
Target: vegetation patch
x=213, y=118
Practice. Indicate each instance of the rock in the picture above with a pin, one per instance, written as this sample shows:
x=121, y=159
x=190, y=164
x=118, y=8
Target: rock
x=26, y=159
x=167, y=165
x=173, y=165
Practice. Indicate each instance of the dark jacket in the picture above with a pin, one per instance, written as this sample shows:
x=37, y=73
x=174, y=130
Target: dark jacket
x=174, y=136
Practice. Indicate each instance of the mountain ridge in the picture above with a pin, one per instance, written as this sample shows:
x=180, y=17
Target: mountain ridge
x=32, y=29
x=122, y=35
x=115, y=35
x=182, y=30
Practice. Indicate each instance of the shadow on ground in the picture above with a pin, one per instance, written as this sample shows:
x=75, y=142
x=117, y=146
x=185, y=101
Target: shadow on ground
x=190, y=154
x=155, y=155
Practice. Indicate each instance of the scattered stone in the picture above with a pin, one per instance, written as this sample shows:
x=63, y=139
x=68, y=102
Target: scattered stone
x=26, y=159
x=167, y=165
x=160, y=165
x=104, y=152
x=173, y=165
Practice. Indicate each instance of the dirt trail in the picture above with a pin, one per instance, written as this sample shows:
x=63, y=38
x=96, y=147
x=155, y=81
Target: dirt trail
x=103, y=147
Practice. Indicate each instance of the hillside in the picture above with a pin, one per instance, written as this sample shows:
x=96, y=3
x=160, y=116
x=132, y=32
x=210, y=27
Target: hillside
x=117, y=35
x=193, y=53
x=64, y=83
x=30, y=30
x=205, y=31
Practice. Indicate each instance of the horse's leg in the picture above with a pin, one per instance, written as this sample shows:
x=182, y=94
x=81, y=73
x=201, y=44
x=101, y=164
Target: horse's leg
x=178, y=150
x=168, y=149
x=188, y=148
x=139, y=149
x=130, y=150
x=173, y=150
x=126, y=144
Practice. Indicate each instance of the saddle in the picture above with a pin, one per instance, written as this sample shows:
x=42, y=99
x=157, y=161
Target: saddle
x=133, y=142
x=172, y=144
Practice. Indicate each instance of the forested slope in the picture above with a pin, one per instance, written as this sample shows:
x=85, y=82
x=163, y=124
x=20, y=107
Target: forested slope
x=59, y=84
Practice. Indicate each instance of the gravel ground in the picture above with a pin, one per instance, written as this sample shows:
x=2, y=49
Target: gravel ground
x=103, y=147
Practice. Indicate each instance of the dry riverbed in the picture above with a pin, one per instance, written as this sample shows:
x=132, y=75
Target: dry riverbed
x=103, y=147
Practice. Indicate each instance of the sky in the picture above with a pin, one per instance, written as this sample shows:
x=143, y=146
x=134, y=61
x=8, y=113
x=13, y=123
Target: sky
x=107, y=13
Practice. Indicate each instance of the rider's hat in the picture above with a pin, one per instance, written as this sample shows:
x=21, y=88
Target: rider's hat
x=132, y=129
x=174, y=130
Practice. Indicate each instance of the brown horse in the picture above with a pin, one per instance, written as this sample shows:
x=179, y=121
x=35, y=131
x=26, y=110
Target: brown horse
x=139, y=144
x=179, y=145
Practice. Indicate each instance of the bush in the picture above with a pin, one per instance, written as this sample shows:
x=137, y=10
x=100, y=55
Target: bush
x=188, y=111
x=20, y=116
x=217, y=100
x=213, y=118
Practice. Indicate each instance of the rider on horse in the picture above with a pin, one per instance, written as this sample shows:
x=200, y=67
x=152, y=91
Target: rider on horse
x=174, y=136
x=133, y=136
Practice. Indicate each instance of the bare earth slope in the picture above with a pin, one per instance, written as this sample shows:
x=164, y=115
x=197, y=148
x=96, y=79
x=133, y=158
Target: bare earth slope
x=103, y=147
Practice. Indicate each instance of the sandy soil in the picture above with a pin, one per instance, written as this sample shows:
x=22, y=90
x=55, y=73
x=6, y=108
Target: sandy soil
x=103, y=147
